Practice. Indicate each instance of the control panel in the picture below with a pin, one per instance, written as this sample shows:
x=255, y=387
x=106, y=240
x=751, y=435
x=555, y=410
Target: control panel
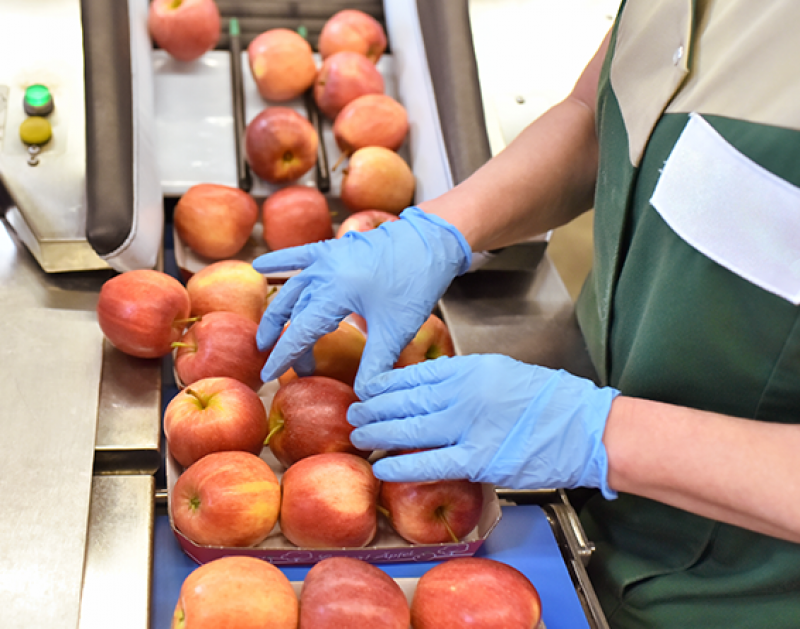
x=43, y=131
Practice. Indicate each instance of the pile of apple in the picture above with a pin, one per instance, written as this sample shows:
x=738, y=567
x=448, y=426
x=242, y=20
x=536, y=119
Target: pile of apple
x=209, y=324
x=369, y=126
x=217, y=427
x=343, y=593
x=320, y=489
x=281, y=145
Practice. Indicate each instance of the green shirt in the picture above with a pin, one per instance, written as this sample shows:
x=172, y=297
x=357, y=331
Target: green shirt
x=668, y=317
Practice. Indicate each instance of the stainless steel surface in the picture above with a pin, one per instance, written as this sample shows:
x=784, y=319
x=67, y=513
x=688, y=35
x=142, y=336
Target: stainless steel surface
x=65, y=393
x=41, y=42
x=50, y=348
x=119, y=553
x=517, y=305
x=129, y=426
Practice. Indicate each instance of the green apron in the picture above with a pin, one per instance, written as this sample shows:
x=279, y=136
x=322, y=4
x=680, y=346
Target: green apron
x=665, y=322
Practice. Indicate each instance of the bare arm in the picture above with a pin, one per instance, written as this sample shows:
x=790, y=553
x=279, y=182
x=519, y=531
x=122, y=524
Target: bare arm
x=739, y=471
x=543, y=179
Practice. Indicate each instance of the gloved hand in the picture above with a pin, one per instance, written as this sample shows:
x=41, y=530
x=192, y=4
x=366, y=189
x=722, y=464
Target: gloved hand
x=489, y=418
x=392, y=276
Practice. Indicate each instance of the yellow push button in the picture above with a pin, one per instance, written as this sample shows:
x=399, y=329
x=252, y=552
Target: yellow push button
x=35, y=130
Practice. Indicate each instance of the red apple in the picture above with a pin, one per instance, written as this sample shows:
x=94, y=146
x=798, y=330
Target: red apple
x=377, y=178
x=353, y=30
x=435, y=512
x=236, y=592
x=347, y=592
x=370, y=120
x=475, y=592
x=309, y=416
x=215, y=220
x=143, y=312
x=221, y=344
x=364, y=221
x=337, y=355
x=296, y=215
x=282, y=64
x=229, y=498
x=186, y=29
x=213, y=415
x=330, y=500
x=432, y=340
x=281, y=145
x=232, y=285
x=343, y=77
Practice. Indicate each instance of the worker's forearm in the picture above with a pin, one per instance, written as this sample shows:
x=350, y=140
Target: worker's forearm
x=706, y=463
x=540, y=181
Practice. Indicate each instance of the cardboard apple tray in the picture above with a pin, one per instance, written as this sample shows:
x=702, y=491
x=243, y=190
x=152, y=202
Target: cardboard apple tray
x=387, y=546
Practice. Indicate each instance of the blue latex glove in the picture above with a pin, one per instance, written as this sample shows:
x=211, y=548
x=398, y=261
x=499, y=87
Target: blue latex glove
x=490, y=418
x=392, y=276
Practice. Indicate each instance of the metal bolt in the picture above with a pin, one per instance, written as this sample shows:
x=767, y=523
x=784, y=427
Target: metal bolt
x=33, y=155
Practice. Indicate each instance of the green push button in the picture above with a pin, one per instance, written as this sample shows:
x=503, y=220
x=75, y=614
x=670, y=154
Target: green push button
x=38, y=100
x=35, y=130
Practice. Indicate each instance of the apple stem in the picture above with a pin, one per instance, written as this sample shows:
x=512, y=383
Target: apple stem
x=440, y=515
x=272, y=432
x=182, y=322
x=342, y=157
x=197, y=396
x=180, y=344
x=384, y=511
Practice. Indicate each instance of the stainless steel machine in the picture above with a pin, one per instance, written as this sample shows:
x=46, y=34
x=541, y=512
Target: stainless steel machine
x=82, y=193
x=85, y=190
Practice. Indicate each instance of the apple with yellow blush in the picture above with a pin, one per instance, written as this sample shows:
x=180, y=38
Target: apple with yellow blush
x=282, y=64
x=229, y=498
x=242, y=592
x=308, y=416
x=377, y=178
x=330, y=500
x=230, y=285
x=215, y=220
x=143, y=312
x=475, y=592
x=343, y=77
x=337, y=354
x=221, y=344
x=353, y=30
x=280, y=145
x=186, y=29
x=212, y=415
x=431, y=341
